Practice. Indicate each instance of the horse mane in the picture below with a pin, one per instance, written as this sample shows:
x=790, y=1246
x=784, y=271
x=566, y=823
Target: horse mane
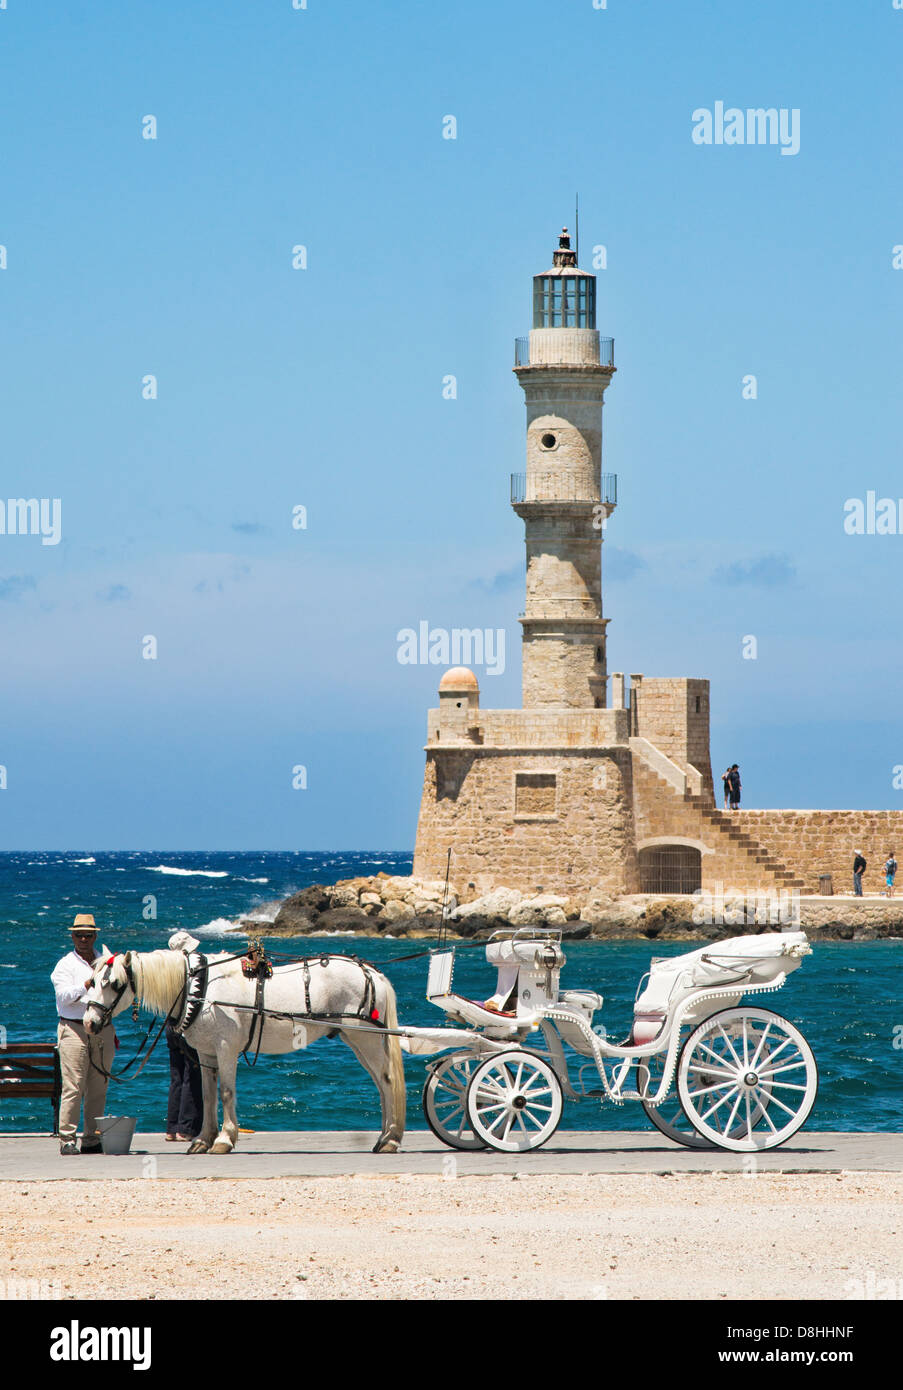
x=160, y=976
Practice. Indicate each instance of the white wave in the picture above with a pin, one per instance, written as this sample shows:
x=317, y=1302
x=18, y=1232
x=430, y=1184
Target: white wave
x=188, y=873
x=8, y=967
x=253, y=880
x=89, y=860
x=220, y=926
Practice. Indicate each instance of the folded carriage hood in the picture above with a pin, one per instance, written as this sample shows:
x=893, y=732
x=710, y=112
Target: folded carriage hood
x=746, y=960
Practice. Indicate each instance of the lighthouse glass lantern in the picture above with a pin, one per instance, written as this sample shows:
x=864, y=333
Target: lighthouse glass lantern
x=564, y=297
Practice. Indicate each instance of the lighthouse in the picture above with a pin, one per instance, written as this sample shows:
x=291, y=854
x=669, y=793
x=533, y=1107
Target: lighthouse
x=574, y=793
x=563, y=498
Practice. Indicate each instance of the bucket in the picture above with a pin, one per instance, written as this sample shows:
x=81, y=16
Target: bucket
x=116, y=1132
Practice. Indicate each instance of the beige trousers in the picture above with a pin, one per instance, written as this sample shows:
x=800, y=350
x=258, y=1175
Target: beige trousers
x=82, y=1085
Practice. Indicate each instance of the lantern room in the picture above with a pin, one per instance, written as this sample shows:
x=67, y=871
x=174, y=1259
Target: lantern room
x=564, y=297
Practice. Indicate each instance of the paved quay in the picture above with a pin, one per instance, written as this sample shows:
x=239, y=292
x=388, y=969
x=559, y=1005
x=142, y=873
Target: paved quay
x=346, y=1153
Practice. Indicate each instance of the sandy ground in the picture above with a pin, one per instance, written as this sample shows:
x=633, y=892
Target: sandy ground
x=413, y=1237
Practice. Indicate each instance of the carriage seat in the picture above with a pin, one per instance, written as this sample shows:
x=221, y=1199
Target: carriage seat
x=477, y=1015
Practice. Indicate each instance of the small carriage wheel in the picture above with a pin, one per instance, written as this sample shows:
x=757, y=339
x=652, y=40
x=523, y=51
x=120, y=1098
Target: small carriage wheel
x=669, y=1117
x=514, y=1101
x=445, y=1100
x=747, y=1079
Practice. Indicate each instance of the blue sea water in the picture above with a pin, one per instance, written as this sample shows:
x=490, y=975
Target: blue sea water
x=847, y=997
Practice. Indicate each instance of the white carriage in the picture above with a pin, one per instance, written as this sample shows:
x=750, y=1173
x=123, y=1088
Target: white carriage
x=707, y=1070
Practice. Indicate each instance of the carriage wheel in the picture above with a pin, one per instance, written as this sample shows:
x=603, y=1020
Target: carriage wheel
x=670, y=1117
x=445, y=1100
x=514, y=1101
x=747, y=1079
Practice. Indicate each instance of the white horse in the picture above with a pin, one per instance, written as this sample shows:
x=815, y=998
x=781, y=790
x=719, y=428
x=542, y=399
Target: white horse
x=335, y=994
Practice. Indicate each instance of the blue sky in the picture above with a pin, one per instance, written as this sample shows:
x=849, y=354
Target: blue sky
x=323, y=388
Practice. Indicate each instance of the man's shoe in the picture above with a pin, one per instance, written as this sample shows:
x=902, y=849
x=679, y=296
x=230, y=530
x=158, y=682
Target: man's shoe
x=68, y=1147
x=91, y=1148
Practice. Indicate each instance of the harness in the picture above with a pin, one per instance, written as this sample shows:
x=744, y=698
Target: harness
x=255, y=965
x=196, y=992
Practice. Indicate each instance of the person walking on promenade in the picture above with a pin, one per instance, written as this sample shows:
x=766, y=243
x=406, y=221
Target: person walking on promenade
x=890, y=873
x=734, y=784
x=859, y=867
x=84, y=1086
x=726, y=780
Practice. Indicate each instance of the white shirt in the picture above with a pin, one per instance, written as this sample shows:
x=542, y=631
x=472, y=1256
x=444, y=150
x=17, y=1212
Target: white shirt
x=68, y=978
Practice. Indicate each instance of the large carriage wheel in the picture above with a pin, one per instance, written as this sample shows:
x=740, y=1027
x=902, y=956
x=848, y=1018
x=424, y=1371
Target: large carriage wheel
x=445, y=1100
x=747, y=1079
x=514, y=1101
x=670, y=1117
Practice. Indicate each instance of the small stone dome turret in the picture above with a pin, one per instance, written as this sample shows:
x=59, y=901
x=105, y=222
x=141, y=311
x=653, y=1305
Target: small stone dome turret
x=458, y=678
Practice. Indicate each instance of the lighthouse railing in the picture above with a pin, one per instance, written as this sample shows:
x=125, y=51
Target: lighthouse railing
x=561, y=486
x=522, y=355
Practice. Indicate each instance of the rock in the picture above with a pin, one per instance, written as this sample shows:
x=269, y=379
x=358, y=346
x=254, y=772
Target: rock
x=371, y=902
x=347, y=893
x=392, y=887
x=339, y=919
x=396, y=911
x=545, y=910
x=499, y=903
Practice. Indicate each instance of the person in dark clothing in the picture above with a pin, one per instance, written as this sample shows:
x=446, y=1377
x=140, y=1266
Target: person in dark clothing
x=726, y=782
x=734, y=785
x=185, y=1111
x=859, y=867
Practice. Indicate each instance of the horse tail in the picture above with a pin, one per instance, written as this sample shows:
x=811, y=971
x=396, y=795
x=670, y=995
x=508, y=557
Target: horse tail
x=396, y=1060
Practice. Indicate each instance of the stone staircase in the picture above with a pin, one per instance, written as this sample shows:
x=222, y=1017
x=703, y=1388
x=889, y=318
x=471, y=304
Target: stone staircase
x=682, y=788
x=723, y=821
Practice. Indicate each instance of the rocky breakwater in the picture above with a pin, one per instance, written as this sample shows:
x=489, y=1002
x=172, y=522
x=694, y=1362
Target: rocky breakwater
x=401, y=906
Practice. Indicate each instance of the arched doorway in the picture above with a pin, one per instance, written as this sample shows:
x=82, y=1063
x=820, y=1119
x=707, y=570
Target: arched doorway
x=670, y=869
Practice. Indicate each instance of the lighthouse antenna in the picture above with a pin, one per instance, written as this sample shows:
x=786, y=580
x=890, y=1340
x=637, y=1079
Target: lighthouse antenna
x=577, y=228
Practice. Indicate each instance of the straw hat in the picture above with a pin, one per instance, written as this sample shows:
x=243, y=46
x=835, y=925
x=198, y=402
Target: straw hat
x=84, y=920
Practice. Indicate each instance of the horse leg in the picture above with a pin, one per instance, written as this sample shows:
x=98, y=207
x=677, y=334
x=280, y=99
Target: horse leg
x=373, y=1052
x=228, y=1135
x=208, y=1082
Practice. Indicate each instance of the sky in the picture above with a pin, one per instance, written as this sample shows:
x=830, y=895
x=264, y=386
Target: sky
x=280, y=387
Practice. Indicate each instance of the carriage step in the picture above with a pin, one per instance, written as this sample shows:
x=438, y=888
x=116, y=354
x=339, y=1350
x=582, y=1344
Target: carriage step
x=627, y=1095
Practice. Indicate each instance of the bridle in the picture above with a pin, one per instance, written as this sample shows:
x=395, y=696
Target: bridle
x=106, y=1011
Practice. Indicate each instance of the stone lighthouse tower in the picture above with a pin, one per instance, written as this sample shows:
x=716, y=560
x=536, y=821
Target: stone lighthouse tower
x=564, y=498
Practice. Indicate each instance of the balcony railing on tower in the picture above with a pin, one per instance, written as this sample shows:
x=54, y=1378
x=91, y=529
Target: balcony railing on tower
x=561, y=486
x=522, y=355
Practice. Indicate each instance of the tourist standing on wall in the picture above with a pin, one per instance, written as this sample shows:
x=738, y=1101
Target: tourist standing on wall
x=726, y=779
x=859, y=867
x=890, y=873
x=84, y=1085
x=734, y=784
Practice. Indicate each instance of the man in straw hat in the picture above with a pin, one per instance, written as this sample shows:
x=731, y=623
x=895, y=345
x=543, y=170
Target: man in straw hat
x=84, y=1085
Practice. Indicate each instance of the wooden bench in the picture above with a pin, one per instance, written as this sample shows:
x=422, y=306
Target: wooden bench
x=32, y=1069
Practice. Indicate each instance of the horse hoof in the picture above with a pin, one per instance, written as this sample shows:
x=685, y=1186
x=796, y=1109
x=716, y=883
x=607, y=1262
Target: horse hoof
x=386, y=1146
x=198, y=1147
x=221, y=1147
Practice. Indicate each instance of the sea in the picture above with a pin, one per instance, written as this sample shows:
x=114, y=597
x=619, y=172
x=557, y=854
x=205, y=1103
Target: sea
x=847, y=997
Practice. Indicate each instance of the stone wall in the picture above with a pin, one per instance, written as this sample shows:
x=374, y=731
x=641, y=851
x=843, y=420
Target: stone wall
x=673, y=714
x=824, y=842
x=469, y=806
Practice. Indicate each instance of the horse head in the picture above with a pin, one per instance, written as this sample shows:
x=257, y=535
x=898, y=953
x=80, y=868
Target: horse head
x=112, y=990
